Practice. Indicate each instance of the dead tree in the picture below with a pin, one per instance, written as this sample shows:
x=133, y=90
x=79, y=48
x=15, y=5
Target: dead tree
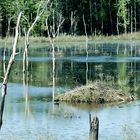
x=73, y=23
x=94, y=128
x=3, y=60
x=4, y=49
x=86, y=49
x=8, y=69
x=52, y=34
x=40, y=11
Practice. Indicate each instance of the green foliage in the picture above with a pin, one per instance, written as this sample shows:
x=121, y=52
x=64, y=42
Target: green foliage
x=123, y=12
x=101, y=16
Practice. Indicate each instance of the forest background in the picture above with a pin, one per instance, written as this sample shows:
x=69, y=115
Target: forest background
x=102, y=17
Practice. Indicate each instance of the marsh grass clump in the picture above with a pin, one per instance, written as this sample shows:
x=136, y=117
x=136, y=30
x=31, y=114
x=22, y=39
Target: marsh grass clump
x=96, y=92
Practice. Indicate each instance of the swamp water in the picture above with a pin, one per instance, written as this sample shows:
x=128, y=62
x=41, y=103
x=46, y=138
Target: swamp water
x=29, y=113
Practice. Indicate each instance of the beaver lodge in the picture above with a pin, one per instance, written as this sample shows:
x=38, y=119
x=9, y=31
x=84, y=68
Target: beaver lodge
x=96, y=92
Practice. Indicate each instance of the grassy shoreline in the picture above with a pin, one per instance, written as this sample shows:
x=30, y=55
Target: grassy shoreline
x=67, y=38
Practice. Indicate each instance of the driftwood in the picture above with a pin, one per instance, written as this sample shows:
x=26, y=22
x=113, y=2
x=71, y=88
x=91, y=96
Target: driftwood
x=94, y=128
x=8, y=69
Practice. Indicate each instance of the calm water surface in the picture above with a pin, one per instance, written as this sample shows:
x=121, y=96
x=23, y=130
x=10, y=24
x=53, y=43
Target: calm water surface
x=30, y=114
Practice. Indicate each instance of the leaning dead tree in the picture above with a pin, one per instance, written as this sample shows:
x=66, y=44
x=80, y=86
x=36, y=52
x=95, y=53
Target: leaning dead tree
x=8, y=69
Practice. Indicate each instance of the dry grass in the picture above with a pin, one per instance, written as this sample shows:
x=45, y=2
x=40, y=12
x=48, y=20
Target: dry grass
x=96, y=92
x=69, y=38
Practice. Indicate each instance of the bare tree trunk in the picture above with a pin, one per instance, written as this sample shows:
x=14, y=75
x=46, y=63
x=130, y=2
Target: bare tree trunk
x=117, y=24
x=94, y=128
x=90, y=8
x=73, y=23
x=27, y=34
x=61, y=20
x=8, y=30
x=102, y=24
x=6, y=76
x=53, y=59
x=125, y=26
x=3, y=60
x=96, y=19
x=110, y=15
x=86, y=49
x=71, y=27
x=25, y=75
x=131, y=20
x=0, y=23
x=53, y=27
x=4, y=50
x=25, y=55
x=53, y=70
x=135, y=16
x=52, y=39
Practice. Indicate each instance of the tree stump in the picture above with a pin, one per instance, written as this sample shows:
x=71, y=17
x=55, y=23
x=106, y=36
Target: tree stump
x=94, y=128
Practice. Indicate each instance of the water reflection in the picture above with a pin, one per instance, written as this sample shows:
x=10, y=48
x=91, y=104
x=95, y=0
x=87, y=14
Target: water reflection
x=25, y=93
x=73, y=64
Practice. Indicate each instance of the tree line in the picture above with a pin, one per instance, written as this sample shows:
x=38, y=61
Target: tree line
x=102, y=17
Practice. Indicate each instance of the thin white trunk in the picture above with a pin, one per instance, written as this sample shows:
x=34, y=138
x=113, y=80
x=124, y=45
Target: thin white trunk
x=4, y=64
x=6, y=76
x=131, y=20
x=86, y=49
x=72, y=21
x=53, y=60
x=27, y=34
x=125, y=26
x=90, y=7
x=117, y=26
x=102, y=25
x=55, y=33
x=135, y=16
